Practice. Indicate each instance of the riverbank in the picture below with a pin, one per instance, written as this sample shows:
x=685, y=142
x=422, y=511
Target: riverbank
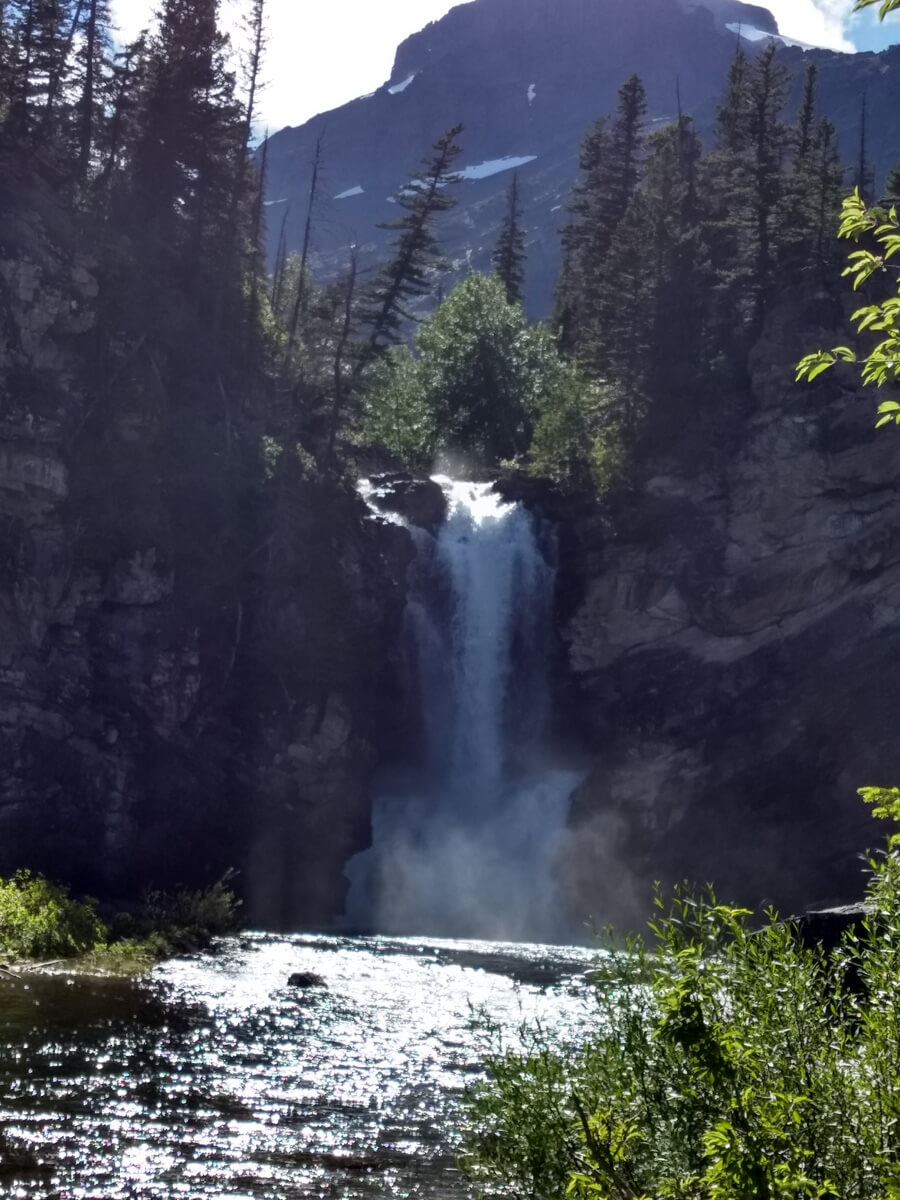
x=44, y=928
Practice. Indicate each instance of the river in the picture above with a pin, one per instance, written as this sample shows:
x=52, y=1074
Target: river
x=213, y=1078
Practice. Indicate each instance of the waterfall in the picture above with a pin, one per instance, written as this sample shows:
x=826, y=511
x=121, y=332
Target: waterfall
x=466, y=829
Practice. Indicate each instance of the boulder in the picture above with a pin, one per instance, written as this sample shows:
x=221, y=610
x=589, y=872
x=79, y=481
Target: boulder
x=826, y=927
x=306, y=979
x=420, y=501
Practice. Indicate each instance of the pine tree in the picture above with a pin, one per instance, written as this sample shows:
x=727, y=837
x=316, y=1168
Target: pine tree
x=626, y=300
x=509, y=253
x=8, y=32
x=96, y=79
x=186, y=84
x=39, y=36
x=626, y=147
x=744, y=183
x=732, y=114
x=864, y=179
x=609, y=205
x=892, y=186
x=569, y=306
x=246, y=185
x=811, y=191
x=768, y=140
x=678, y=266
x=128, y=72
x=191, y=131
x=301, y=296
x=610, y=163
x=416, y=250
x=805, y=128
x=281, y=255
x=828, y=192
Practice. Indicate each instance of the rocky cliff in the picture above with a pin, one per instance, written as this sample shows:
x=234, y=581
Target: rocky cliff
x=189, y=656
x=730, y=657
x=527, y=78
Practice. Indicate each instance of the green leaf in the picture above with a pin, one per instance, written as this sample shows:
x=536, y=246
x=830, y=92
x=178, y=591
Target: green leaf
x=820, y=369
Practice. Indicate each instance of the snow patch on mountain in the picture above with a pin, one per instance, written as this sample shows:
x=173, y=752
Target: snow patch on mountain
x=401, y=87
x=532, y=92
x=493, y=166
x=354, y=191
x=750, y=34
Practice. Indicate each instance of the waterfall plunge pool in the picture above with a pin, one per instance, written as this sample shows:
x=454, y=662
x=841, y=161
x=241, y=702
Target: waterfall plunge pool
x=212, y=1078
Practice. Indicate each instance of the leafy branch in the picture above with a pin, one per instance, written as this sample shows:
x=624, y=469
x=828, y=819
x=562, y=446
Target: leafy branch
x=887, y=6
x=881, y=366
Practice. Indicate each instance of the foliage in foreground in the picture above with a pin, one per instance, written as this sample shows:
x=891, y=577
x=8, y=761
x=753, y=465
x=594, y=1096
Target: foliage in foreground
x=727, y=1063
x=39, y=919
x=876, y=231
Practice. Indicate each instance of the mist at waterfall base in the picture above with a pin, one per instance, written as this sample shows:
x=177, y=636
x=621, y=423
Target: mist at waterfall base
x=466, y=830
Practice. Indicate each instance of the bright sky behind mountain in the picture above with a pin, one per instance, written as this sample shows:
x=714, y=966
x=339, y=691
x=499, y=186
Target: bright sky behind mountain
x=325, y=53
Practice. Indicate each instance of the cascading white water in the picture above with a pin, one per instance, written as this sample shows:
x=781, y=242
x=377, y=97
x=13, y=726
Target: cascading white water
x=465, y=832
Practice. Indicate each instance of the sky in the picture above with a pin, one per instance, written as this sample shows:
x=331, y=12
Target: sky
x=321, y=53
x=325, y=52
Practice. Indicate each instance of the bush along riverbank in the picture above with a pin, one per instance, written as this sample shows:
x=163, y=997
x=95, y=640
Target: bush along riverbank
x=728, y=1062
x=42, y=924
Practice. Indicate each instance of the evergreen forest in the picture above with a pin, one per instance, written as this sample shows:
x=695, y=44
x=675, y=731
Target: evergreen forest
x=142, y=160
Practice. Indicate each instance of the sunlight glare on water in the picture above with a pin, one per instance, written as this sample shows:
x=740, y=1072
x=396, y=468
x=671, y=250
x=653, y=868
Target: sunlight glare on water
x=215, y=1079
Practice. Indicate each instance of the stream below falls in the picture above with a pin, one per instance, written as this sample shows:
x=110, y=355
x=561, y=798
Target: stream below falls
x=213, y=1078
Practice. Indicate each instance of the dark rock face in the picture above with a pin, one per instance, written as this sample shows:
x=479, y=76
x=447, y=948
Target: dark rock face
x=146, y=739
x=420, y=501
x=164, y=718
x=730, y=662
x=527, y=78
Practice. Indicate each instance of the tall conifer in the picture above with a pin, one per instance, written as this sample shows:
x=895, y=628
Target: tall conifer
x=509, y=253
x=96, y=78
x=407, y=274
x=610, y=162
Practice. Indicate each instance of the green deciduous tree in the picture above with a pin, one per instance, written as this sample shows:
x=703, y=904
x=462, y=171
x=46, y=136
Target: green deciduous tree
x=480, y=377
x=577, y=438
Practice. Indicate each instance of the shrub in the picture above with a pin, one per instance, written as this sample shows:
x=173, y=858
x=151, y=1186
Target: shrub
x=39, y=919
x=727, y=1063
x=577, y=439
x=186, y=919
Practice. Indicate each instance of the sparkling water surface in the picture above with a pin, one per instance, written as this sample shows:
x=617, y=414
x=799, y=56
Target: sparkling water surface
x=213, y=1078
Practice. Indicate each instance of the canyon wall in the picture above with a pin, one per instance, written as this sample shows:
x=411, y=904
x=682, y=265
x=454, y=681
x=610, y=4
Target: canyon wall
x=730, y=655
x=189, y=675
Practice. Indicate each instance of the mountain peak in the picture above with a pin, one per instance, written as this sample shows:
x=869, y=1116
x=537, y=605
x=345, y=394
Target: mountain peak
x=479, y=21
x=527, y=78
